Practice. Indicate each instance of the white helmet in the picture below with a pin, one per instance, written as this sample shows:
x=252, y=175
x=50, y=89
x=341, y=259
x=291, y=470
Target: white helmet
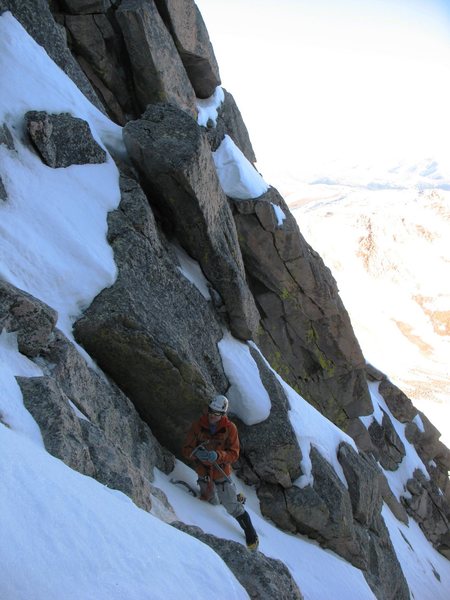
x=219, y=404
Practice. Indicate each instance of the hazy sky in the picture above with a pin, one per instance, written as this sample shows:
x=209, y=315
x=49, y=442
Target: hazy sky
x=322, y=80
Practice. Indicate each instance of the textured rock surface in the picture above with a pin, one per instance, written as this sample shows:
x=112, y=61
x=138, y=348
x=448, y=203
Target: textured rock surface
x=31, y=319
x=153, y=331
x=105, y=405
x=6, y=138
x=362, y=476
x=261, y=576
x=383, y=572
x=187, y=27
x=3, y=192
x=89, y=424
x=173, y=157
x=63, y=140
x=100, y=50
x=158, y=72
x=390, y=447
x=428, y=507
x=59, y=425
x=307, y=336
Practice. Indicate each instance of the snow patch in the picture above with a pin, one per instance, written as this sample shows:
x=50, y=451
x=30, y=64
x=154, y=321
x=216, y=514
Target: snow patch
x=248, y=397
x=208, y=108
x=53, y=226
x=279, y=214
x=238, y=177
x=192, y=271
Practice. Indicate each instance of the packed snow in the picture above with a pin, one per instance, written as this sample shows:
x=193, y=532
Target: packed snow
x=64, y=534
x=249, y=400
x=238, y=177
x=53, y=233
x=208, y=108
x=279, y=214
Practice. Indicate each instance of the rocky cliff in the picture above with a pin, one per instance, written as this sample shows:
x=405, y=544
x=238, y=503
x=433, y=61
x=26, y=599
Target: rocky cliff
x=155, y=335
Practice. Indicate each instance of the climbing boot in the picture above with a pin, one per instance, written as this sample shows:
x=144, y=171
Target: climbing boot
x=251, y=537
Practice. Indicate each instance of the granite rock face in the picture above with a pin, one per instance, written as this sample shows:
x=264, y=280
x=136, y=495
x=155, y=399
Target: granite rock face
x=172, y=155
x=63, y=140
x=186, y=25
x=153, y=331
x=306, y=332
x=89, y=424
x=158, y=72
x=31, y=319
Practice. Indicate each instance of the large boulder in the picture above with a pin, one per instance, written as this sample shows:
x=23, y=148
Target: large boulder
x=88, y=423
x=361, y=473
x=383, y=573
x=188, y=30
x=261, y=576
x=390, y=447
x=96, y=42
x=398, y=403
x=63, y=140
x=82, y=445
x=426, y=504
x=32, y=320
x=104, y=405
x=339, y=532
x=153, y=331
x=60, y=427
x=158, y=73
x=306, y=332
x=172, y=155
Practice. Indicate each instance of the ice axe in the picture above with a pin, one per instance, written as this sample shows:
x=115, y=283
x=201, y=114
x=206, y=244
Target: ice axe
x=214, y=464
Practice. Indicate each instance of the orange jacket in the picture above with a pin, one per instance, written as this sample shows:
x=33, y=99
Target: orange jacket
x=224, y=441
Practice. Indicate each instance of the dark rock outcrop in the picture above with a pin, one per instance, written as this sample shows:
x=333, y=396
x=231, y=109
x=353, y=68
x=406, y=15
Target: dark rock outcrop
x=185, y=23
x=307, y=336
x=153, y=331
x=428, y=507
x=361, y=474
x=63, y=140
x=158, y=72
x=89, y=424
x=390, y=447
x=172, y=154
x=100, y=50
x=6, y=138
x=31, y=319
x=3, y=192
x=261, y=576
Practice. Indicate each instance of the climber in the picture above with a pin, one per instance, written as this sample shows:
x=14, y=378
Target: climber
x=213, y=445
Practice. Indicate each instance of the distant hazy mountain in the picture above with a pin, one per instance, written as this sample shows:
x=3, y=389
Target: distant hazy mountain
x=385, y=235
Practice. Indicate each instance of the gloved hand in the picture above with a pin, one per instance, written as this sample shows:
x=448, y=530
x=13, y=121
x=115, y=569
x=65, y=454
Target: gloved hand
x=206, y=455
